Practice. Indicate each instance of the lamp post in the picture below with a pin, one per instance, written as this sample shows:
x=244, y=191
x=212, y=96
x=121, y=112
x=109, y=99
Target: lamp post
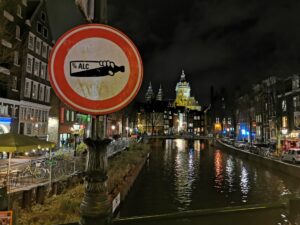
x=75, y=129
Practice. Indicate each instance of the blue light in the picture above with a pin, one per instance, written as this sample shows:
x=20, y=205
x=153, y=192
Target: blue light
x=5, y=120
x=243, y=131
x=247, y=133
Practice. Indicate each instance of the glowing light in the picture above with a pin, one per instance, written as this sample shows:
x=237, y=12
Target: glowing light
x=113, y=127
x=26, y=153
x=243, y=131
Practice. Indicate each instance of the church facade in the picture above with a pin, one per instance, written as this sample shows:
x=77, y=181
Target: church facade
x=183, y=115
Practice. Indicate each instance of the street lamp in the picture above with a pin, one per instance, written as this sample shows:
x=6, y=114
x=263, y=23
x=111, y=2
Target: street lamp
x=127, y=129
x=113, y=127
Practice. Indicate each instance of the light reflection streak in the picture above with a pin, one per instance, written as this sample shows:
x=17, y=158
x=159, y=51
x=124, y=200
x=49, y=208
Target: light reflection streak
x=230, y=173
x=244, y=183
x=184, y=174
x=218, y=161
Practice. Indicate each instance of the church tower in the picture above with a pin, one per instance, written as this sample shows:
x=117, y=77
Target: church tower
x=149, y=94
x=159, y=96
x=183, y=94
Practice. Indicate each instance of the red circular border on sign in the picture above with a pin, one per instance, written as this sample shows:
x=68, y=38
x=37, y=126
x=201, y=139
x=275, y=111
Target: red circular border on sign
x=72, y=98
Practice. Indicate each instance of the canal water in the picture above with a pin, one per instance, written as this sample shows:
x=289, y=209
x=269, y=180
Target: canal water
x=182, y=175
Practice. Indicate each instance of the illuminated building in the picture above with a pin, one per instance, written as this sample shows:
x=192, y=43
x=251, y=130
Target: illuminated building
x=183, y=95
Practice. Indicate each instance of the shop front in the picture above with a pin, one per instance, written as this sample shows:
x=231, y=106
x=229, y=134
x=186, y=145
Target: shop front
x=291, y=140
x=5, y=125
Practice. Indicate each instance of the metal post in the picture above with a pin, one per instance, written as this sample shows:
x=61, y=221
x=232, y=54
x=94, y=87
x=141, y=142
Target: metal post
x=8, y=180
x=50, y=175
x=95, y=207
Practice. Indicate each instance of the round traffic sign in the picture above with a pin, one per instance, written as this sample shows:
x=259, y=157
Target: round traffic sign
x=96, y=69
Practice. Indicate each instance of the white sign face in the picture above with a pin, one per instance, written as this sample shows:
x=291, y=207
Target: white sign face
x=91, y=52
x=95, y=69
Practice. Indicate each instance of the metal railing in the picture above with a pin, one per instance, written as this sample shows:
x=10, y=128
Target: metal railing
x=47, y=169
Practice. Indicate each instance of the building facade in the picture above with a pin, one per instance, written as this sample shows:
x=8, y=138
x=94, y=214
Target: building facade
x=25, y=86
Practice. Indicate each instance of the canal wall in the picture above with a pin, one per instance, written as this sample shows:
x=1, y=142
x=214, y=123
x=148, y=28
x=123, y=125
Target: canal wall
x=129, y=179
x=289, y=169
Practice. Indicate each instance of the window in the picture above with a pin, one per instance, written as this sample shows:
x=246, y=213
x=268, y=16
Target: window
x=39, y=28
x=49, y=51
x=29, y=63
x=44, y=50
x=36, y=70
x=18, y=32
x=295, y=82
x=43, y=70
x=27, y=88
x=19, y=11
x=283, y=104
x=28, y=128
x=67, y=115
x=296, y=101
x=14, y=83
x=42, y=94
x=16, y=58
x=38, y=45
x=24, y=2
x=284, y=122
x=31, y=41
x=34, y=90
x=43, y=16
x=8, y=16
x=45, y=32
x=47, y=94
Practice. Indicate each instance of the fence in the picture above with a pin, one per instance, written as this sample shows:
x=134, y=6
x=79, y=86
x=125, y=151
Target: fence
x=45, y=170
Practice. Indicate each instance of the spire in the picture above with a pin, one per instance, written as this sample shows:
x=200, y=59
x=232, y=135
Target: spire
x=182, y=77
x=159, y=96
x=149, y=94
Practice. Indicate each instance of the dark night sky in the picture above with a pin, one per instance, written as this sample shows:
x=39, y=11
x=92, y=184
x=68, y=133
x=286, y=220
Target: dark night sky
x=225, y=43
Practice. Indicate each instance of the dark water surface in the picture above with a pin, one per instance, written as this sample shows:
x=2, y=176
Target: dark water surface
x=183, y=176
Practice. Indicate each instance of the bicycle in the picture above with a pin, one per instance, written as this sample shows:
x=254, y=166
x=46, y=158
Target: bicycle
x=36, y=170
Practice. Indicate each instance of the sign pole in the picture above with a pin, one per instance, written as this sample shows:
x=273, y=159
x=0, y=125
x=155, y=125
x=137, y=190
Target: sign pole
x=95, y=69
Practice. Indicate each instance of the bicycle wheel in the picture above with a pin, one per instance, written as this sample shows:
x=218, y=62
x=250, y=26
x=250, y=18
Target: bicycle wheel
x=39, y=173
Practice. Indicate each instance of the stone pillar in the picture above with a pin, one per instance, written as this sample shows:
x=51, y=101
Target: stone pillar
x=95, y=207
x=27, y=199
x=40, y=194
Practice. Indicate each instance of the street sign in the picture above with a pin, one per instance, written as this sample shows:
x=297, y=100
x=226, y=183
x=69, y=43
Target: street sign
x=95, y=69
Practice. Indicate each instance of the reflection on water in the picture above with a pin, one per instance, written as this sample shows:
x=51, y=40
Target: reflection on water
x=218, y=170
x=183, y=175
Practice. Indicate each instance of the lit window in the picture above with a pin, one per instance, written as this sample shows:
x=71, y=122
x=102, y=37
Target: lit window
x=34, y=90
x=284, y=122
x=283, y=104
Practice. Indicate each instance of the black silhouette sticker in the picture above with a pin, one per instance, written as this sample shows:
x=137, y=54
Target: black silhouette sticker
x=94, y=68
